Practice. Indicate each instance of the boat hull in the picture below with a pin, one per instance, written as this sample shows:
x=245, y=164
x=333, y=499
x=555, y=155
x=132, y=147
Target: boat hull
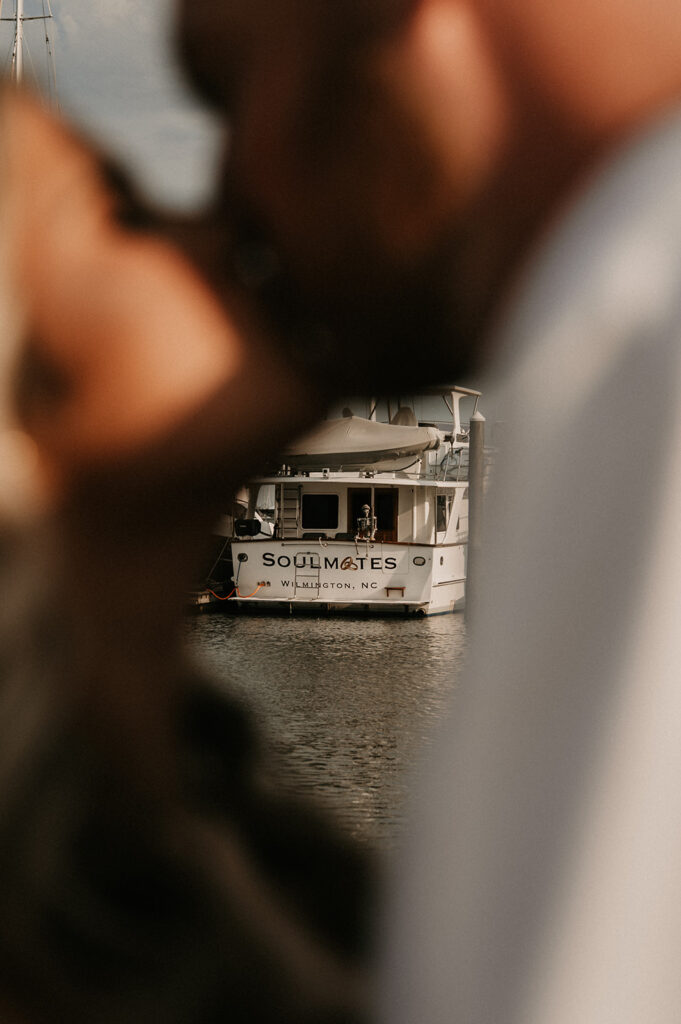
x=382, y=578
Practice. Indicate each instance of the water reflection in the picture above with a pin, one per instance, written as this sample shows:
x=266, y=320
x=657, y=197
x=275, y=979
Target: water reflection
x=347, y=704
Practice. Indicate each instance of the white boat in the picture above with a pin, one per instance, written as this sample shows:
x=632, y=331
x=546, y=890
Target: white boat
x=363, y=516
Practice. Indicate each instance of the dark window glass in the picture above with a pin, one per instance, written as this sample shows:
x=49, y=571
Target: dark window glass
x=386, y=509
x=442, y=513
x=320, y=511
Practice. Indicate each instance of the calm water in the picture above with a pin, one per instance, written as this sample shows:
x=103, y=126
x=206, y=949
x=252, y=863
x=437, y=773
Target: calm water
x=346, y=704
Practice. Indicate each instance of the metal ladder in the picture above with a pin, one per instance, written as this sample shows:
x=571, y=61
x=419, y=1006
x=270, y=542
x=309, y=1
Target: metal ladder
x=307, y=577
x=290, y=510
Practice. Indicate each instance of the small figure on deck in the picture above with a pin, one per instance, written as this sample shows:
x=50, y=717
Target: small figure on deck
x=367, y=524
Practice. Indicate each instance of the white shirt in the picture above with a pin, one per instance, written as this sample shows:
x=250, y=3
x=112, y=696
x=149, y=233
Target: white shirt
x=542, y=880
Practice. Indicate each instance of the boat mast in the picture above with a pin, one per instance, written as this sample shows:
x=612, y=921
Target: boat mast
x=16, y=73
x=18, y=62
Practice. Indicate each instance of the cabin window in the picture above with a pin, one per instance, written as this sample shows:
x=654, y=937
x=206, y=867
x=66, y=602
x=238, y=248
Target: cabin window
x=443, y=508
x=320, y=511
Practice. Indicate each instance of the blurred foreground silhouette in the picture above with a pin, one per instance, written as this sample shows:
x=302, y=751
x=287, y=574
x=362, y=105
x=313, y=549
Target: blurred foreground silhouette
x=150, y=870
x=444, y=184
x=412, y=188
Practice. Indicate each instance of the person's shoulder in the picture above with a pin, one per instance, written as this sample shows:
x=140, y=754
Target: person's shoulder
x=38, y=143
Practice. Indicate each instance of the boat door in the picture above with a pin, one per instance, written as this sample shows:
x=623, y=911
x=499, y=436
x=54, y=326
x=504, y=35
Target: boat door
x=307, y=572
x=384, y=501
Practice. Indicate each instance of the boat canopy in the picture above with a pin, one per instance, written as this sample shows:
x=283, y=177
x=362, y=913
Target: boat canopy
x=353, y=443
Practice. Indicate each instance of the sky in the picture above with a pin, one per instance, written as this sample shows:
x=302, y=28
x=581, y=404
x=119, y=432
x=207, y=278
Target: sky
x=117, y=79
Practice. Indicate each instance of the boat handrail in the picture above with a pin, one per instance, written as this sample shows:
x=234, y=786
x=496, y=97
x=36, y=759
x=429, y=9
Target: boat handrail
x=451, y=472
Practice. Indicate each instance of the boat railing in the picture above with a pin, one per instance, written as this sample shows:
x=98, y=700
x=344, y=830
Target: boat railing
x=453, y=466
x=449, y=469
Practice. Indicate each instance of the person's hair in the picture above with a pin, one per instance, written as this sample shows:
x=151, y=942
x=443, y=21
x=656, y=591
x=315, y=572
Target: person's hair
x=205, y=35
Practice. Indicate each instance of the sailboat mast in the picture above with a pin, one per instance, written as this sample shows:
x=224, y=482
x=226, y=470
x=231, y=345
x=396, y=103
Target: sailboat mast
x=19, y=43
x=18, y=18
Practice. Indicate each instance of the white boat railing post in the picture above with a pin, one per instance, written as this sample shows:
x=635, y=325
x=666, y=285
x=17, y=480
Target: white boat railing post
x=476, y=475
x=413, y=514
x=456, y=415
